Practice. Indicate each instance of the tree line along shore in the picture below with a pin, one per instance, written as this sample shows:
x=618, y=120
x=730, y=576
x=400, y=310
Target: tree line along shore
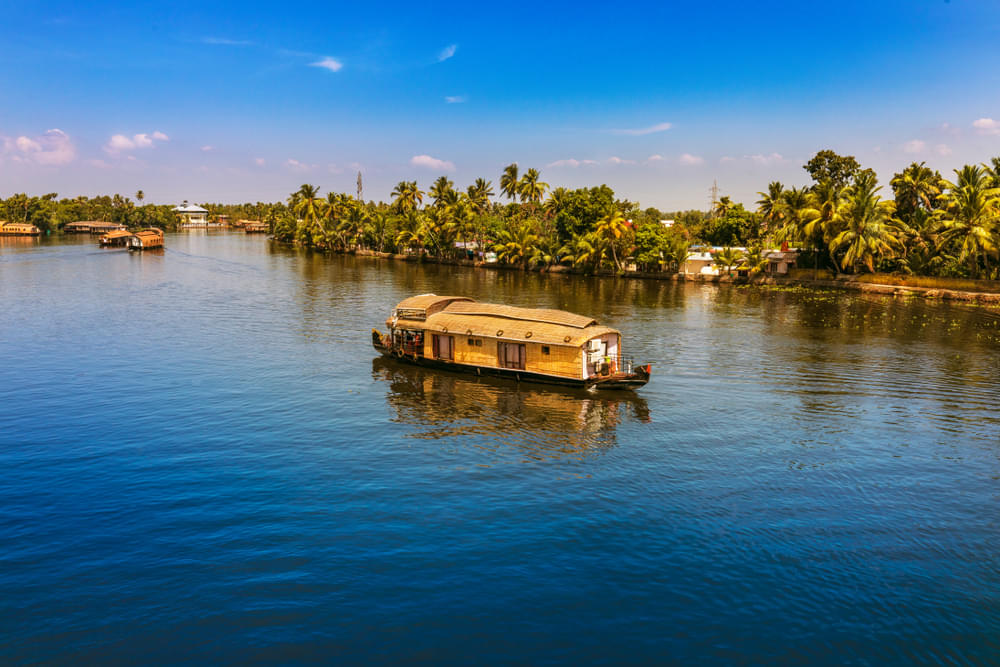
x=932, y=226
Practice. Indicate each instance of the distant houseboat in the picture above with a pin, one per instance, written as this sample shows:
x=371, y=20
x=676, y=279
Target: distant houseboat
x=146, y=239
x=18, y=229
x=117, y=238
x=92, y=227
x=253, y=227
x=539, y=345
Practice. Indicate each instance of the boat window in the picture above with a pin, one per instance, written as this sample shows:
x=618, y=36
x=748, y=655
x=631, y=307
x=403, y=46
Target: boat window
x=444, y=347
x=511, y=355
x=545, y=349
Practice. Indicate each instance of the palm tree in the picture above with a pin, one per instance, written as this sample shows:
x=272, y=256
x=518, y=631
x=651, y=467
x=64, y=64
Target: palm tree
x=971, y=215
x=863, y=216
x=479, y=195
x=722, y=207
x=917, y=187
x=727, y=258
x=310, y=209
x=585, y=250
x=769, y=205
x=440, y=190
x=509, y=182
x=516, y=246
x=139, y=196
x=556, y=201
x=675, y=252
x=407, y=196
x=530, y=188
x=610, y=230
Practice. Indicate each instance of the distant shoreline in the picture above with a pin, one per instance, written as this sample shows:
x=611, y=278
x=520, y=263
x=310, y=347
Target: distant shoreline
x=842, y=282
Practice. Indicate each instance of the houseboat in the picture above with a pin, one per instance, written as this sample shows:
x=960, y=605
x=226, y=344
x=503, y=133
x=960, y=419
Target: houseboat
x=146, y=239
x=527, y=344
x=18, y=229
x=116, y=238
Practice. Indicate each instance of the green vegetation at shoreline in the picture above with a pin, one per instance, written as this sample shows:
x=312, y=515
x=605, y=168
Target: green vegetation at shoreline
x=930, y=227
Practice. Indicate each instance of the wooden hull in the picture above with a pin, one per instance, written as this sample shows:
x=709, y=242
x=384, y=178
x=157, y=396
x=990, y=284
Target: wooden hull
x=618, y=381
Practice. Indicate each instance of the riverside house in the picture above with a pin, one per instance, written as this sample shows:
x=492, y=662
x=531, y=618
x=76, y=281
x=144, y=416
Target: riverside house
x=191, y=216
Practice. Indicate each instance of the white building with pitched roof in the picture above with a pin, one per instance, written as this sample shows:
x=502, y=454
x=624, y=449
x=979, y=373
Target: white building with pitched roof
x=191, y=215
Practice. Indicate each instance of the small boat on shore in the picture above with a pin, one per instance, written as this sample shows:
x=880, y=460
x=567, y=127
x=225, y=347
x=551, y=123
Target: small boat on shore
x=526, y=344
x=146, y=239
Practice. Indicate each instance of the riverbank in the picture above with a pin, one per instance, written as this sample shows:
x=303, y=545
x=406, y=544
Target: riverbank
x=802, y=278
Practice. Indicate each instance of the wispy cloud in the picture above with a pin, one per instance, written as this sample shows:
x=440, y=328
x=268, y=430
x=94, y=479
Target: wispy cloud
x=572, y=162
x=259, y=161
x=764, y=159
x=640, y=131
x=54, y=148
x=942, y=149
x=119, y=143
x=614, y=159
x=447, y=52
x=914, y=146
x=726, y=159
x=329, y=63
x=691, y=160
x=987, y=126
x=207, y=149
x=432, y=163
x=296, y=165
x=456, y=99
x=223, y=41
x=652, y=159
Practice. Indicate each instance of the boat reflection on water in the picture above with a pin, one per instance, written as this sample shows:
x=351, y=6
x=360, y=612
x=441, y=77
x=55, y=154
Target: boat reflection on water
x=549, y=422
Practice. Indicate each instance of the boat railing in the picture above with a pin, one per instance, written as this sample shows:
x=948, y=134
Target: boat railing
x=615, y=363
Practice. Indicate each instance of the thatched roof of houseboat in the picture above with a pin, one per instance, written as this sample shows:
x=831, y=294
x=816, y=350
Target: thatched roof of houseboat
x=527, y=314
x=462, y=316
x=427, y=302
x=518, y=330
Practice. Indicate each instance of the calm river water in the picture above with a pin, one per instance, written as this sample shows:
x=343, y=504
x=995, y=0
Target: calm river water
x=201, y=459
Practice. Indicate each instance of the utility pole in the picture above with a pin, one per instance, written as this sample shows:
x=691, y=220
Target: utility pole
x=360, y=191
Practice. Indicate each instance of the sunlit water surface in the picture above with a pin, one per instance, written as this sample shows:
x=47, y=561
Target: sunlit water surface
x=200, y=458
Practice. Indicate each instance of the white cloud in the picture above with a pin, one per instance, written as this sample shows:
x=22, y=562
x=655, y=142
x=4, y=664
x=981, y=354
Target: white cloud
x=222, y=41
x=570, y=162
x=691, y=160
x=100, y=164
x=764, y=159
x=329, y=63
x=208, y=149
x=26, y=145
x=447, y=52
x=52, y=148
x=259, y=161
x=987, y=126
x=614, y=159
x=455, y=99
x=914, y=146
x=639, y=131
x=120, y=142
x=296, y=165
x=654, y=158
x=431, y=163
x=943, y=149
x=726, y=159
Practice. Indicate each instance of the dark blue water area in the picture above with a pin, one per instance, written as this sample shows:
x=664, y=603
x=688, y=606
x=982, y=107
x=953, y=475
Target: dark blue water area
x=202, y=460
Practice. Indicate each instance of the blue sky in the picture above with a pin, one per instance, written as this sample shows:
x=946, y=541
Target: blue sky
x=242, y=102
